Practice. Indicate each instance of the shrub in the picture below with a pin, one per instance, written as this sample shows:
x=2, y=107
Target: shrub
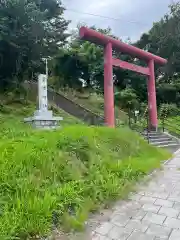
x=168, y=110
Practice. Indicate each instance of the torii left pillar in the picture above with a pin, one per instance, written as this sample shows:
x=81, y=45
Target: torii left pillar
x=108, y=87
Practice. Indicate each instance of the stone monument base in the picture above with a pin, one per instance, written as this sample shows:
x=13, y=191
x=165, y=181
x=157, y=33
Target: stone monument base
x=44, y=120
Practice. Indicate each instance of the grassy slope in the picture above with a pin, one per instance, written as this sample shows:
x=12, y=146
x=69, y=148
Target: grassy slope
x=173, y=125
x=94, y=102
x=69, y=172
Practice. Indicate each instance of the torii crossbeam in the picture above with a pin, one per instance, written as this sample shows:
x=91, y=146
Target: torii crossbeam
x=109, y=44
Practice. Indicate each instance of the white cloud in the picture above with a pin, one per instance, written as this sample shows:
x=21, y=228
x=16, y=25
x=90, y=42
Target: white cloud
x=135, y=16
x=96, y=6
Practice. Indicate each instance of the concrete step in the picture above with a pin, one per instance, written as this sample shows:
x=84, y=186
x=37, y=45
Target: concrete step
x=153, y=132
x=171, y=148
x=162, y=140
x=163, y=143
x=166, y=139
x=170, y=145
x=154, y=135
x=158, y=137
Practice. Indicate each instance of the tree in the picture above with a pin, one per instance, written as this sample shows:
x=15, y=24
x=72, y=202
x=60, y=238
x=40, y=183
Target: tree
x=80, y=60
x=127, y=99
x=29, y=30
x=163, y=39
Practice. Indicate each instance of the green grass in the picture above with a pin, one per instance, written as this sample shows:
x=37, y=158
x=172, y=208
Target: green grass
x=172, y=124
x=16, y=112
x=65, y=173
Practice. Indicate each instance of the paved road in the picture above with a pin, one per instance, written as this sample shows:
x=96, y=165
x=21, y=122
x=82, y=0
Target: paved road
x=153, y=213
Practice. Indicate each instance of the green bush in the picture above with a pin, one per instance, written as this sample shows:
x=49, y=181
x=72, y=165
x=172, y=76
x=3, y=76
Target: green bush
x=168, y=110
x=66, y=173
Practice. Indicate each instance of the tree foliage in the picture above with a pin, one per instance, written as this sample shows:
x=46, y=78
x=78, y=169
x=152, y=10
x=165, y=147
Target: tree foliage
x=29, y=31
x=163, y=39
x=128, y=99
x=80, y=60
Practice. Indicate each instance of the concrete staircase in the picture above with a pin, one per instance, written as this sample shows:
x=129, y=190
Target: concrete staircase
x=162, y=139
x=66, y=104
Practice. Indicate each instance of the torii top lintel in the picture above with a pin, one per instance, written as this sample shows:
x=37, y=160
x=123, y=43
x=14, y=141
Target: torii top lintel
x=101, y=39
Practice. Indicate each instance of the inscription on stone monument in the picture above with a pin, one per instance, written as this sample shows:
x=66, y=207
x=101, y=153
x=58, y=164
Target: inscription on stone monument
x=43, y=118
x=42, y=92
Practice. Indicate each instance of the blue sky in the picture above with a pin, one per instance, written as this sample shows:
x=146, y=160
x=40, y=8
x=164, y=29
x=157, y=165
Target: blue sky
x=136, y=16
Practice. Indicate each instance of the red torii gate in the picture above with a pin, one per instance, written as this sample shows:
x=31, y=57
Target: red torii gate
x=109, y=44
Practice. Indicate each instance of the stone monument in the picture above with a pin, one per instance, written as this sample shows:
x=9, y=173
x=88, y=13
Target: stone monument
x=43, y=118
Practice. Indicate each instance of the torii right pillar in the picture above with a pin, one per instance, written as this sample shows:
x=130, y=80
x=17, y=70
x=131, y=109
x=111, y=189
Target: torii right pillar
x=152, y=105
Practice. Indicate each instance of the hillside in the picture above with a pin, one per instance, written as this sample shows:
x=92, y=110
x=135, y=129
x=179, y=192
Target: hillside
x=172, y=125
x=58, y=177
x=93, y=102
